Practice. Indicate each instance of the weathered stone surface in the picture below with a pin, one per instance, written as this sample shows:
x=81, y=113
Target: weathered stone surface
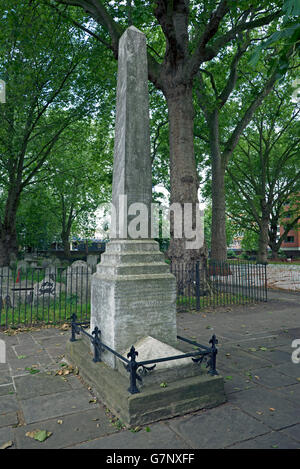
x=133, y=295
x=92, y=260
x=46, y=290
x=78, y=280
x=149, y=348
x=132, y=174
x=285, y=277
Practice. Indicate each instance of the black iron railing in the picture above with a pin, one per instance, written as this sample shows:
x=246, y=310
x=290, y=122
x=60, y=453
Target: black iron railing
x=51, y=295
x=203, y=353
x=44, y=295
x=210, y=284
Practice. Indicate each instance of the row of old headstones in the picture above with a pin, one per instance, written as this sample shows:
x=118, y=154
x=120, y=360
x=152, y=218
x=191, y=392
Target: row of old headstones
x=76, y=280
x=52, y=263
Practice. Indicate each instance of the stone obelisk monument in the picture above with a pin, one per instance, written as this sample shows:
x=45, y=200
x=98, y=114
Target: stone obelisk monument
x=133, y=292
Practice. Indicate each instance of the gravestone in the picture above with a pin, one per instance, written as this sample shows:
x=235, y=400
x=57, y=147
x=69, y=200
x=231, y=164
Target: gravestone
x=133, y=292
x=92, y=260
x=78, y=280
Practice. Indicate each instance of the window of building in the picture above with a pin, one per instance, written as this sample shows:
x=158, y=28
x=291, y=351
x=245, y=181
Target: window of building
x=290, y=239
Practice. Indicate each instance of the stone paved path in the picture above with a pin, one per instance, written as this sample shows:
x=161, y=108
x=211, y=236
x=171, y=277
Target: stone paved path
x=262, y=385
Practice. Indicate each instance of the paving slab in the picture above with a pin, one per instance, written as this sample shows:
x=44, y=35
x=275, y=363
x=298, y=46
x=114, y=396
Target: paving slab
x=234, y=382
x=28, y=350
x=8, y=403
x=5, y=378
x=293, y=432
x=271, y=378
x=270, y=407
x=237, y=359
x=291, y=393
x=40, y=408
x=8, y=419
x=289, y=369
x=6, y=435
x=218, y=428
x=66, y=431
x=7, y=389
x=40, y=384
x=158, y=436
x=18, y=366
x=273, y=440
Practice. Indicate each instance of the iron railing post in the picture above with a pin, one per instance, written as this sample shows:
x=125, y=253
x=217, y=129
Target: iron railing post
x=213, y=356
x=97, y=344
x=132, y=367
x=73, y=327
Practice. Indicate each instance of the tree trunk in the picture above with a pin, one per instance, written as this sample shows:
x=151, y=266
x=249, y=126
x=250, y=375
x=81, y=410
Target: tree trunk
x=274, y=245
x=184, y=180
x=8, y=233
x=218, y=226
x=263, y=241
x=65, y=237
x=8, y=246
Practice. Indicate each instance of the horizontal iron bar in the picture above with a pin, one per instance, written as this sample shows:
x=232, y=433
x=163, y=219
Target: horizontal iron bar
x=192, y=342
x=105, y=346
x=157, y=360
x=175, y=357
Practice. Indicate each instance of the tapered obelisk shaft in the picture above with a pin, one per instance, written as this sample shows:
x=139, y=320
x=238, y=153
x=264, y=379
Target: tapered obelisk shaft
x=132, y=163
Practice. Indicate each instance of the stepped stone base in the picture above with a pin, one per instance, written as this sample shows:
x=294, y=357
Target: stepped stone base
x=133, y=295
x=183, y=394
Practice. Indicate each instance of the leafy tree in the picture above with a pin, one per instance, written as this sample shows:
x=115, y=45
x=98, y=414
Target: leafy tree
x=49, y=82
x=182, y=37
x=265, y=172
x=81, y=181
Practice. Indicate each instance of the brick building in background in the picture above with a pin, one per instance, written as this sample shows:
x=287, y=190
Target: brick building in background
x=291, y=246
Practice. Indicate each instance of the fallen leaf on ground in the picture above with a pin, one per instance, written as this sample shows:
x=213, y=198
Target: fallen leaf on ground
x=59, y=422
x=8, y=444
x=39, y=435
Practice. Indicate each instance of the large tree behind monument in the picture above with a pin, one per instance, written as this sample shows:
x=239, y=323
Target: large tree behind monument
x=187, y=35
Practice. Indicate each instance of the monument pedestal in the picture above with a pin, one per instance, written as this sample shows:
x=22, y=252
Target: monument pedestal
x=182, y=391
x=133, y=296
